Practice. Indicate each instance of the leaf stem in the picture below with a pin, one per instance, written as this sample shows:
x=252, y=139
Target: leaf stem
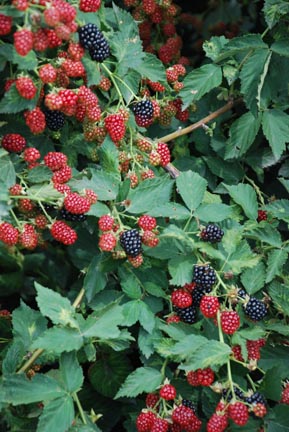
x=112, y=77
x=80, y=409
x=37, y=353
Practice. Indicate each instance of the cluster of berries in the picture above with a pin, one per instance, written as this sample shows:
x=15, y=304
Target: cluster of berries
x=186, y=300
x=181, y=415
x=67, y=205
x=201, y=377
x=146, y=154
x=253, y=350
x=157, y=28
x=130, y=240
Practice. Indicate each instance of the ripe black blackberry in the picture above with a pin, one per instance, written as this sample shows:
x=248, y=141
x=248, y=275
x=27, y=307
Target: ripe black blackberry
x=255, y=309
x=187, y=315
x=227, y=394
x=198, y=292
x=256, y=398
x=143, y=109
x=66, y=215
x=189, y=404
x=91, y=38
x=100, y=51
x=54, y=119
x=212, y=233
x=204, y=275
x=131, y=242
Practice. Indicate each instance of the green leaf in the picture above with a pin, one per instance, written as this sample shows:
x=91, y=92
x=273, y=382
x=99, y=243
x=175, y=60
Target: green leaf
x=129, y=86
x=199, y=352
x=45, y=192
x=245, y=196
x=125, y=44
x=19, y=390
x=12, y=102
x=28, y=62
x=57, y=415
x=7, y=172
x=266, y=234
x=281, y=47
x=108, y=373
x=280, y=296
x=277, y=420
x=214, y=46
x=191, y=186
x=149, y=195
x=239, y=45
x=98, y=209
x=275, y=124
x=39, y=174
x=105, y=185
x=213, y=212
x=104, y=325
x=142, y=380
x=253, y=278
x=279, y=209
x=252, y=77
x=92, y=71
x=130, y=284
x=199, y=82
x=95, y=279
x=13, y=358
x=274, y=10
x=171, y=210
x=55, y=307
x=28, y=324
x=71, y=372
x=146, y=317
x=272, y=384
x=274, y=355
x=59, y=340
x=181, y=270
x=242, y=135
x=276, y=260
x=152, y=68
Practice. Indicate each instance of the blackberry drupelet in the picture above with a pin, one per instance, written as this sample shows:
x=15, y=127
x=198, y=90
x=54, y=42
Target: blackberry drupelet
x=212, y=233
x=242, y=293
x=91, y=38
x=131, y=242
x=187, y=315
x=204, y=275
x=54, y=119
x=255, y=309
x=66, y=215
x=189, y=404
x=143, y=109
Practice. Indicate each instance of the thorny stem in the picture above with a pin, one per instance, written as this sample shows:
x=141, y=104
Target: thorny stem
x=257, y=189
x=200, y=123
x=37, y=353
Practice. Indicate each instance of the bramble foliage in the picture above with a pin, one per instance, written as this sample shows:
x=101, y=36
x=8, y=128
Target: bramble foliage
x=144, y=216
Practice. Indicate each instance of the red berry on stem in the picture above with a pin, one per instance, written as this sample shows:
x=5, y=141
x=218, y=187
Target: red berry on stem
x=76, y=204
x=107, y=242
x=23, y=41
x=230, y=322
x=25, y=87
x=105, y=222
x=13, y=143
x=181, y=298
x=8, y=233
x=168, y=392
x=238, y=412
x=209, y=306
x=63, y=233
x=147, y=223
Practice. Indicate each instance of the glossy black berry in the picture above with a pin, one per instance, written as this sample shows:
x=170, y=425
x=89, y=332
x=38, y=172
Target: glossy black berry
x=54, y=119
x=242, y=293
x=212, y=233
x=227, y=394
x=255, y=309
x=143, y=109
x=91, y=38
x=66, y=215
x=131, y=242
x=187, y=315
x=189, y=404
x=204, y=275
x=198, y=292
x=256, y=398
